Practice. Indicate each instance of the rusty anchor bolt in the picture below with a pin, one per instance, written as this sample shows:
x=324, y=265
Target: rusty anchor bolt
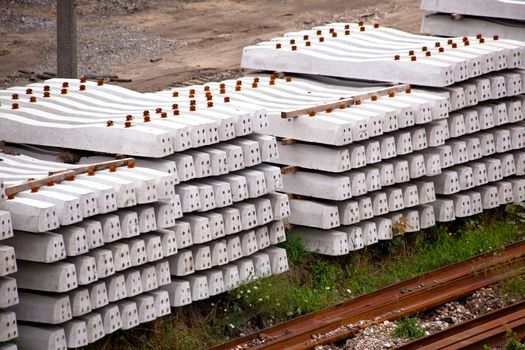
x=272, y=82
x=466, y=43
x=127, y=124
x=192, y=108
x=308, y=43
x=47, y=94
x=361, y=23
x=391, y=94
x=129, y=118
x=331, y=30
x=347, y=32
x=210, y=104
x=321, y=39
x=413, y=58
x=292, y=41
x=100, y=82
x=191, y=95
x=305, y=37
x=109, y=123
x=278, y=46
x=131, y=164
x=428, y=53
x=454, y=45
x=112, y=168
x=47, y=88
x=147, y=119
x=357, y=102
x=10, y=196
x=288, y=78
x=50, y=183
x=441, y=49
x=411, y=53
x=328, y=110
x=145, y=113
x=29, y=91
x=254, y=85
x=238, y=82
x=14, y=96
x=342, y=105
x=226, y=99
x=237, y=88
x=450, y=41
x=319, y=32
x=334, y=35
x=495, y=37
x=34, y=189
x=193, y=102
x=222, y=91
x=206, y=88
x=83, y=79
x=361, y=29
x=63, y=92
x=175, y=94
x=164, y=115
x=464, y=39
x=175, y=106
x=82, y=87
x=256, y=79
x=65, y=84
x=424, y=48
x=294, y=48
x=376, y=25
x=32, y=99
x=91, y=172
x=15, y=106
x=222, y=86
x=347, y=26
x=479, y=36
x=176, y=112
x=396, y=58
x=311, y=114
x=70, y=178
x=408, y=90
x=373, y=97
x=437, y=44
x=192, y=91
x=482, y=40
x=158, y=110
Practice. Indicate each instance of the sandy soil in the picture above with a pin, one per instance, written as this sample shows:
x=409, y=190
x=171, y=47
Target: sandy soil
x=209, y=35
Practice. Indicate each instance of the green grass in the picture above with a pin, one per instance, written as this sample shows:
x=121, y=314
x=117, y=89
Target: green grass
x=513, y=343
x=408, y=328
x=512, y=289
x=314, y=282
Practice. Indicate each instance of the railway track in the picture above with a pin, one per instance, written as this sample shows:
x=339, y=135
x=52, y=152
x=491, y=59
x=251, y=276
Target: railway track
x=490, y=329
x=417, y=294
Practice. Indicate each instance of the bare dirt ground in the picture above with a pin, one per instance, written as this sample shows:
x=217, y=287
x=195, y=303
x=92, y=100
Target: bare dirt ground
x=196, y=41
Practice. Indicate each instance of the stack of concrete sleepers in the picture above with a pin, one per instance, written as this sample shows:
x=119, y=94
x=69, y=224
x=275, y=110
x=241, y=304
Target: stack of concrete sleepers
x=505, y=18
x=91, y=250
x=228, y=215
x=450, y=164
x=362, y=168
x=8, y=288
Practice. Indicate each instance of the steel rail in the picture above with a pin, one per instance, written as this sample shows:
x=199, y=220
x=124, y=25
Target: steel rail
x=330, y=316
x=489, y=329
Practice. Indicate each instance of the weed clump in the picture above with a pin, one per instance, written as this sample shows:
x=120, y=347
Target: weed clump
x=408, y=328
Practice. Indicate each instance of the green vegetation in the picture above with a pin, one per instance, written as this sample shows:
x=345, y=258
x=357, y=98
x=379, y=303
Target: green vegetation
x=408, y=328
x=512, y=290
x=513, y=343
x=314, y=282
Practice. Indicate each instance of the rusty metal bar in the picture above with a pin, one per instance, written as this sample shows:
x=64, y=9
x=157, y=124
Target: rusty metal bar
x=344, y=103
x=66, y=174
